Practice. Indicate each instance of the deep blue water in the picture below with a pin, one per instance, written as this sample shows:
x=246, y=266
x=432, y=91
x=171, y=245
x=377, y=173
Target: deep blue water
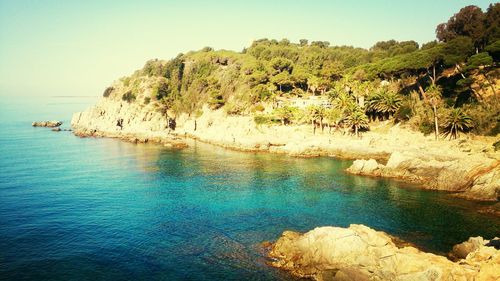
x=103, y=209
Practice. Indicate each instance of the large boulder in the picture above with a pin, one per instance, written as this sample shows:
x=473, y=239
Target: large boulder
x=460, y=251
x=486, y=186
x=361, y=253
x=364, y=167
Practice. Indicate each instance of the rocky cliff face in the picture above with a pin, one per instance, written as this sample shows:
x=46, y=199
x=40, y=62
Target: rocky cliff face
x=361, y=253
x=120, y=119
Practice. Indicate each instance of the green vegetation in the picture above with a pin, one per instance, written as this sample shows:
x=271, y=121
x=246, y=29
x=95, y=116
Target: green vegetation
x=447, y=84
x=108, y=92
x=128, y=97
x=457, y=121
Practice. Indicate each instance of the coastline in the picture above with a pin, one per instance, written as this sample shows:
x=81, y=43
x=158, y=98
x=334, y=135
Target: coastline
x=469, y=167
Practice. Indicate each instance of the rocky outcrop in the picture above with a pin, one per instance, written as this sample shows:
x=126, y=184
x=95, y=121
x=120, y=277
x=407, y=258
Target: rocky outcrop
x=473, y=177
x=361, y=253
x=134, y=122
x=49, y=124
x=365, y=167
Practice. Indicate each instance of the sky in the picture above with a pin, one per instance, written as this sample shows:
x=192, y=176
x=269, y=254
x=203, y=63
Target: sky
x=78, y=48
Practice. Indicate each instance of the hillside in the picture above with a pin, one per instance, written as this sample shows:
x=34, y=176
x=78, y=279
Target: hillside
x=406, y=106
x=455, y=78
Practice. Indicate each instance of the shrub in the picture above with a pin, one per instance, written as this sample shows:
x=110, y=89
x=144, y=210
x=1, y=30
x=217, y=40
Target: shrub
x=108, y=92
x=234, y=109
x=128, y=97
x=258, y=108
x=486, y=117
x=404, y=113
x=261, y=119
x=216, y=100
x=426, y=127
x=496, y=145
x=147, y=100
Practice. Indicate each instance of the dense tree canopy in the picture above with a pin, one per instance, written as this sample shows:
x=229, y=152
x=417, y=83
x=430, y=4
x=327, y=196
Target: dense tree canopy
x=467, y=44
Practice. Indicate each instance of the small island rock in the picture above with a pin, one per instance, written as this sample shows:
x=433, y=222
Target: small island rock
x=50, y=124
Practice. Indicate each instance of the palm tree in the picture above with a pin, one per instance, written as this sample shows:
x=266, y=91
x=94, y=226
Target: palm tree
x=385, y=103
x=344, y=102
x=320, y=115
x=433, y=97
x=334, y=116
x=357, y=120
x=457, y=121
x=310, y=113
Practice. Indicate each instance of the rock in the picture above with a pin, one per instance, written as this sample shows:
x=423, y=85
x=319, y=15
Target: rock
x=361, y=253
x=460, y=251
x=49, y=124
x=370, y=166
x=364, y=167
x=56, y=129
x=396, y=160
x=485, y=186
x=495, y=243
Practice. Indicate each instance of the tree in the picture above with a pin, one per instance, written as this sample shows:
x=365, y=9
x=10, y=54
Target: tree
x=315, y=113
x=320, y=115
x=332, y=70
x=280, y=64
x=432, y=96
x=492, y=24
x=321, y=44
x=313, y=83
x=384, y=103
x=285, y=114
x=469, y=22
x=457, y=50
x=357, y=120
x=344, y=102
x=494, y=50
x=303, y=42
x=478, y=60
x=456, y=121
x=334, y=116
x=281, y=80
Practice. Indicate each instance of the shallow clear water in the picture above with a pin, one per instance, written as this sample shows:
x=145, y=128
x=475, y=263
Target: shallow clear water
x=94, y=209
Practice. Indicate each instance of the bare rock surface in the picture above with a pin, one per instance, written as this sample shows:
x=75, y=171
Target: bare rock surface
x=361, y=253
x=131, y=122
x=49, y=124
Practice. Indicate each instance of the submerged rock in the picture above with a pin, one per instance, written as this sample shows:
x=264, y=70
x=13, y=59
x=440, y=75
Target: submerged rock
x=49, y=124
x=361, y=253
x=56, y=129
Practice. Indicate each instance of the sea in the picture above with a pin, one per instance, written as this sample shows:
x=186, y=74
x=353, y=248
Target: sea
x=76, y=208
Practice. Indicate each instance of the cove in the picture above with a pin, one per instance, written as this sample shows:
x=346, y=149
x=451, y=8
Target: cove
x=96, y=209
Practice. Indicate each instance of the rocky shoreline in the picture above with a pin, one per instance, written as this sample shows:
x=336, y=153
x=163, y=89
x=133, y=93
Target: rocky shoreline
x=361, y=253
x=468, y=167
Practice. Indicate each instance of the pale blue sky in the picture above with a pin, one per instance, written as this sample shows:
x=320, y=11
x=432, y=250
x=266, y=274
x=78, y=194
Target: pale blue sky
x=80, y=47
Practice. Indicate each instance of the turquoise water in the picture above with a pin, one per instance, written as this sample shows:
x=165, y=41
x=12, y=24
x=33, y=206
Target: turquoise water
x=103, y=209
